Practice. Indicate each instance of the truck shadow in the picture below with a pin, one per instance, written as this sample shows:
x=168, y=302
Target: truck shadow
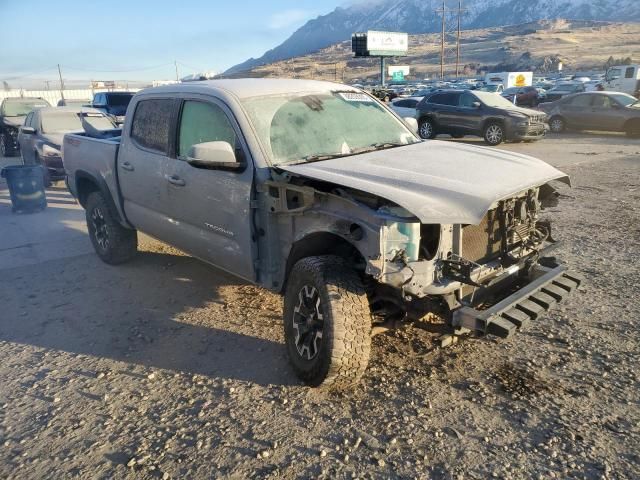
x=162, y=311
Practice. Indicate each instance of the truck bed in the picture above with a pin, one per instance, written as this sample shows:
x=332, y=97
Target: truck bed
x=92, y=158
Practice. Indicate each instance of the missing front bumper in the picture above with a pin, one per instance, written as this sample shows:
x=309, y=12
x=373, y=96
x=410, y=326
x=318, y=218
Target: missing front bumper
x=548, y=287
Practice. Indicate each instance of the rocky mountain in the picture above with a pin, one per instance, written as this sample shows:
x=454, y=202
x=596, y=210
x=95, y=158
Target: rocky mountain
x=418, y=16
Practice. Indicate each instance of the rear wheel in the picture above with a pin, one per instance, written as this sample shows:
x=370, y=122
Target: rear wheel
x=327, y=323
x=427, y=129
x=557, y=125
x=494, y=134
x=113, y=243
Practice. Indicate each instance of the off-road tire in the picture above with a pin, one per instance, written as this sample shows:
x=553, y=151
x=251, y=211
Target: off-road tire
x=121, y=243
x=494, y=134
x=557, y=124
x=633, y=129
x=427, y=129
x=343, y=354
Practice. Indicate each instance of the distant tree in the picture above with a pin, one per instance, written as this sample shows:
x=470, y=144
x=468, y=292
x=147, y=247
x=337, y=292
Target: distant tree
x=6, y=86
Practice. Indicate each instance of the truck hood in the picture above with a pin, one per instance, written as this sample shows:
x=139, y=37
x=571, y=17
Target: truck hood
x=438, y=182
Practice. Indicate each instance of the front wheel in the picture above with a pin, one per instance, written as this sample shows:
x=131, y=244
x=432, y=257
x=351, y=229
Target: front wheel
x=494, y=134
x=327, y=323
x=113, y=243
x=557, y=125
x=427, y=129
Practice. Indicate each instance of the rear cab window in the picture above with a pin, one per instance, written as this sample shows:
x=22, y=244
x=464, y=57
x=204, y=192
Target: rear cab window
x=151, y=124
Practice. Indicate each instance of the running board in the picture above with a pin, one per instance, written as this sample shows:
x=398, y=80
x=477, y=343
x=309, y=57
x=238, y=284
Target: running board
x=517, y=310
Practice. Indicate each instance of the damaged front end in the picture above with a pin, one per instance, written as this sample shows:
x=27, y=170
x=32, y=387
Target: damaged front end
x=473, y=268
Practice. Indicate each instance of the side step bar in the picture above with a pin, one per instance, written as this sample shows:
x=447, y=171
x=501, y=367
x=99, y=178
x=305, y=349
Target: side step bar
x=529, y=303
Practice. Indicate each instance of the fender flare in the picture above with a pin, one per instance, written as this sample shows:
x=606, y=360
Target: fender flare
x=99, y=182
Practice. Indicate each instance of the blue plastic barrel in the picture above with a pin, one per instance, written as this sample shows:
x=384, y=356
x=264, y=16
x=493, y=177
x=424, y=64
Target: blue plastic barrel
x=26, y=187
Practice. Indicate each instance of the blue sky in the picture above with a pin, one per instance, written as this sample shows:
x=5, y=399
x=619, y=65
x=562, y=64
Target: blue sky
x=113, y=40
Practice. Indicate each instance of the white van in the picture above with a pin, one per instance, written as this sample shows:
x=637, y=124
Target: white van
x=623, y=78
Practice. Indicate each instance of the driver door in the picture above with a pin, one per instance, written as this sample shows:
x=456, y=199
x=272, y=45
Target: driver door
x=211, y=208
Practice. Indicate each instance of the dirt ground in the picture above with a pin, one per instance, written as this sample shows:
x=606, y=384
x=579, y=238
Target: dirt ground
x=168, y=368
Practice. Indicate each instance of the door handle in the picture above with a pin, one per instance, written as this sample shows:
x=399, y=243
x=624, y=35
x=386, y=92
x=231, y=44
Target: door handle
x=127, y=166
x=174, y=180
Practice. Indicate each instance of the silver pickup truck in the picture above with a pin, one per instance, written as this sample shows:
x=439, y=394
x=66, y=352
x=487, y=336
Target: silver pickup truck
x=319, y=191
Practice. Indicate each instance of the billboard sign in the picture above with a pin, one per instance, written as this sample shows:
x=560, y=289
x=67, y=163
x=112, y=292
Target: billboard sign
x=387, y=43
x=404, y=69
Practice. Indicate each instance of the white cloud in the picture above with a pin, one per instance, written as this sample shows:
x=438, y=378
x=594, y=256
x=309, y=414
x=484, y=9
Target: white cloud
x=287, y=18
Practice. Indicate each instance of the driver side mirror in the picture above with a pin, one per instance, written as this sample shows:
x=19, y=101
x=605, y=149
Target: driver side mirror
x=476, y=104
x=214, y=155
x=412, y=123
x=27, y=130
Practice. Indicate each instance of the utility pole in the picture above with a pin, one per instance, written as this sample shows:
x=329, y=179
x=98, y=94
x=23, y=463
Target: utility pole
x=460, y=11
x=443, y=11
x=46, y=82
x=61, y=83
x=175, y=62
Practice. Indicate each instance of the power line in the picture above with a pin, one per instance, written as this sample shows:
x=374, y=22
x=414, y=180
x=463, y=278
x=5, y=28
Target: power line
x=29, y=74
x=82, y=69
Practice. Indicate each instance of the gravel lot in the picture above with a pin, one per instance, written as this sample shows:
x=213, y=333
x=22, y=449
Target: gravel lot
x=168, y=368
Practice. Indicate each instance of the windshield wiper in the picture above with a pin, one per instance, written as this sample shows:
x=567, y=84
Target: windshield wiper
x=378, y=146
x=318, y=158
x=371, y=148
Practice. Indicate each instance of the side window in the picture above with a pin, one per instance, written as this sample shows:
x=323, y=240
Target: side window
x=450, y=99
x=203, y=122
x=467, y=100
x=436, y=99
x=581, y=101
x=602, y=101
x=151, y=124
x=630, y=72
x=27, y=121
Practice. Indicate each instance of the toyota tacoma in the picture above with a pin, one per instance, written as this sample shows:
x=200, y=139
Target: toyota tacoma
x=317, y=190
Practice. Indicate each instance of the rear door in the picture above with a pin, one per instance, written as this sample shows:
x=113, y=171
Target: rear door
x=142, y=165
x=577, y=111
x=444, y=106
x=211, y=209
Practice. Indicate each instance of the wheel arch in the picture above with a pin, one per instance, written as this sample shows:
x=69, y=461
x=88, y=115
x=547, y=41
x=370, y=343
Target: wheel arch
x=491, y=120
x=86, y=184
x=322, y=243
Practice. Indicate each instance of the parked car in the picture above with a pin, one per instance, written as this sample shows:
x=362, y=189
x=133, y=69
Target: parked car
x=12, y=114
x=353, y=225
x=493, y=88
x=40, y=137
x=484, y=114
x=524, y=96
x=405, y=107
x=384, y=94
x=605, y=111
x=113, y=103
x=564, y=89
x=74, y=102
